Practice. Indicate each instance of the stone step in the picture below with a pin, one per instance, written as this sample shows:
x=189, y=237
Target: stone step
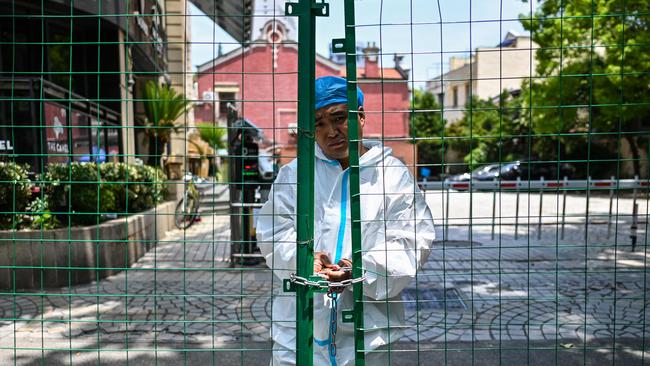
x=208, y=200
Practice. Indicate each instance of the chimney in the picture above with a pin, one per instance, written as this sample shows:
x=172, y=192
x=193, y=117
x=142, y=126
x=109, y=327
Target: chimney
x=398, y=61
x=398, y=66
x=371, y=56
x=457, y=62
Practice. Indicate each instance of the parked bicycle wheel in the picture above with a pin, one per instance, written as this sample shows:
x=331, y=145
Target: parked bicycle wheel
x=186, y=212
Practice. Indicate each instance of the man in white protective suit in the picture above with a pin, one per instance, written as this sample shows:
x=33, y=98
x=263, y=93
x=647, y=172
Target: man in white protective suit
x=397, y=233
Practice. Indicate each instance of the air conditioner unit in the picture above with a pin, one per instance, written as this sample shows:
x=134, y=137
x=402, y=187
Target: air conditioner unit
x=208, y=96
x=293, y=128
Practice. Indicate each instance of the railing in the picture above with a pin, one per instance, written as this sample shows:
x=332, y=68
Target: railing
x=540, y=187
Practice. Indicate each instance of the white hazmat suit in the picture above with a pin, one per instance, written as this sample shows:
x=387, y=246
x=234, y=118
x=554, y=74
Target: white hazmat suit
x=397, y=233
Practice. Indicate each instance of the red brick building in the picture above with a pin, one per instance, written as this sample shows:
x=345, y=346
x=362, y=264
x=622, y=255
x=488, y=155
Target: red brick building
x=261, y=79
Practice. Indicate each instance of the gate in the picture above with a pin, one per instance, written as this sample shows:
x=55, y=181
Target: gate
x=151, y=211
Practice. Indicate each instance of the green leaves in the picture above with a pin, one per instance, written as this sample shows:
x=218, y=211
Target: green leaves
x=491, y=131
x=85, y=193
x=215, y=136
x=41, y=217
x=15, y=193
x=593, y=60
x=427, y=127
x=426, y=116
x=163, y=106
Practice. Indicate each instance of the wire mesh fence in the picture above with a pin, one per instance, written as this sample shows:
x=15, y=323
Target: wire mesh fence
x=353, y=182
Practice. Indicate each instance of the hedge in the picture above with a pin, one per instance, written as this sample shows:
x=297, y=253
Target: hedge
x=15, y=194
x=77, y=193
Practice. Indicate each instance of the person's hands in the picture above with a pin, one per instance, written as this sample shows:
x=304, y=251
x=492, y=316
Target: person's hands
x=324, y=267
x=338, y=272
x=345, y=263
x=321, y=262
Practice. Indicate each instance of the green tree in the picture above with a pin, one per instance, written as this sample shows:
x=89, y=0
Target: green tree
x=163, y=106
x=592, y=74
x=427, y=127
x=491, y=131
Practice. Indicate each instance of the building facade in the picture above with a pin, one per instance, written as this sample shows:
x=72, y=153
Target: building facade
x=260, y=80
x=484, y=75
x=72, y=76
x=68, y=77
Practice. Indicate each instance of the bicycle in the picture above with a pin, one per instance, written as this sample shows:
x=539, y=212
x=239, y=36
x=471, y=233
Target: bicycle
x=187, y=209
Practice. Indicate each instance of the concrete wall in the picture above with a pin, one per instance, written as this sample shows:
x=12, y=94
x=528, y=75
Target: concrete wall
x=94, y=251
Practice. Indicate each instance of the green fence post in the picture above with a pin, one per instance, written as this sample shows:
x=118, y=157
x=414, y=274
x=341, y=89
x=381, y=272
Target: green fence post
x=355, y=198
x=306, y=11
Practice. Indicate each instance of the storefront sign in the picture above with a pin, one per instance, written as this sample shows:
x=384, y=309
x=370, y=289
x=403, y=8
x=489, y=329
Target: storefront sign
x=56, y=135
x=5, y=145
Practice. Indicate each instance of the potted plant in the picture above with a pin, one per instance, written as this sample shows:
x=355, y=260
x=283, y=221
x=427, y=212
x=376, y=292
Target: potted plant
x=163, y=106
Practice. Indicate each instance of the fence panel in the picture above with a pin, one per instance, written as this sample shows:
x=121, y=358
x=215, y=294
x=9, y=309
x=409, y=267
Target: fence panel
x=173, y=172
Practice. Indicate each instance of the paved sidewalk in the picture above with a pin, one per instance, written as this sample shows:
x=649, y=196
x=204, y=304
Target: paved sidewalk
x=183, y=295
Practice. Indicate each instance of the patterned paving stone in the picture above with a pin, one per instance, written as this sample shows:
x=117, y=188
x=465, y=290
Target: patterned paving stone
x=511, y=289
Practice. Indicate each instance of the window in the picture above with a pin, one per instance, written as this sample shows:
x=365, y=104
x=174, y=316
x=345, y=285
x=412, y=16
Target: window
x=455, y=91
x=224, y=99
x=18, y=137
x=98, y=141
x=441, y=99
x=113, y=143
x=468, y=92
x=80, y=138
x=58, y=55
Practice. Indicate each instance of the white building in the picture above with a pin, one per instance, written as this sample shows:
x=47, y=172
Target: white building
x=484, y=75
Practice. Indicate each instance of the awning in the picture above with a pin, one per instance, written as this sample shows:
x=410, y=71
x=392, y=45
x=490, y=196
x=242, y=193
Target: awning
x=234, y=16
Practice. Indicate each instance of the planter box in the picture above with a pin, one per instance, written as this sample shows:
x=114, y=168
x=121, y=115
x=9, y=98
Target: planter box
x=69, y=256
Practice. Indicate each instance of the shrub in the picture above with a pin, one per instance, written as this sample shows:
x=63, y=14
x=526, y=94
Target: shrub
x=40, y=216
x=135, y=187
x=15, y=194
x=76, y=193
x=153, y=189
x=123, y=188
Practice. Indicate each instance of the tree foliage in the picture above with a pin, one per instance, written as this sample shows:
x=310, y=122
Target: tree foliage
x=491, y=130
x=215, y=136
x=592, y=74
x=163, y=106
x=427, y=127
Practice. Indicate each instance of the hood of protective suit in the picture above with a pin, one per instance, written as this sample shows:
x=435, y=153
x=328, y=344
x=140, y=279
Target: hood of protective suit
x=393, y=211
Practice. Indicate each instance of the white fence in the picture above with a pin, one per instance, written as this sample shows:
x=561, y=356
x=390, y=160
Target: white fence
x=491, y=195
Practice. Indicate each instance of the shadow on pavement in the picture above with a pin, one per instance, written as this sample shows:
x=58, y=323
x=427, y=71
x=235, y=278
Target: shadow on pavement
x=624, y=352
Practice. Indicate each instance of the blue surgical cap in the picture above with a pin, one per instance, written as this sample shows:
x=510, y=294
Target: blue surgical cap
x=333, y=90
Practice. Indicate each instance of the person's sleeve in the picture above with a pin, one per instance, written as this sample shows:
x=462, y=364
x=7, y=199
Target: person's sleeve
x=391, y=264
x=276, y=231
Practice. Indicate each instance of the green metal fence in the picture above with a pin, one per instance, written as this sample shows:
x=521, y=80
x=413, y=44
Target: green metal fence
x=151, y=211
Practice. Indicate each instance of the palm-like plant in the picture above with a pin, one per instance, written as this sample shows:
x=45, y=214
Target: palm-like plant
x=215, y=136
x=162, y=107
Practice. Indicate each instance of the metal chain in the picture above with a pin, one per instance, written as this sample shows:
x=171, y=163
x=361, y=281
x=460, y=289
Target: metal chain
x=332, y=288
x=333, y=325
x=294, y=278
